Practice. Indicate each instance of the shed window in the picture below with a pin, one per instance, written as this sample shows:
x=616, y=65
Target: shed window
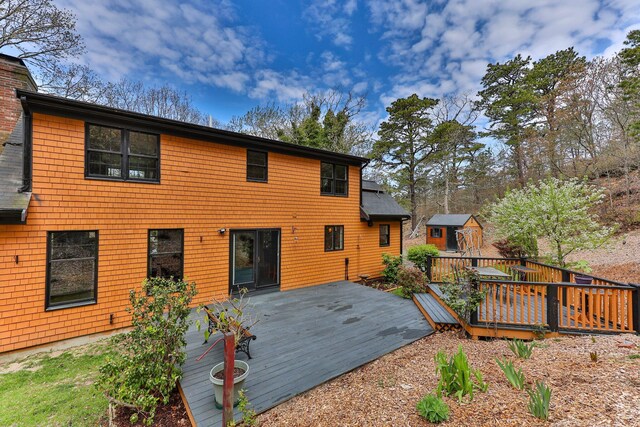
x=436, y=233
x=333, y=238
x=385, y=234
x=72, y=268
x=166, y=253
x=257, y=166
x=334, y=179
x=121, y=154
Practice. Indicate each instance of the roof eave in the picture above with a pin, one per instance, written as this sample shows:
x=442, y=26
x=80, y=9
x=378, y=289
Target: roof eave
x=13, y=216
x=49, y=104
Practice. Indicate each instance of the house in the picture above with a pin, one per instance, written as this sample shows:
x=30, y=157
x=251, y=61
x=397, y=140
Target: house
x=93, y=200
x=441, y=230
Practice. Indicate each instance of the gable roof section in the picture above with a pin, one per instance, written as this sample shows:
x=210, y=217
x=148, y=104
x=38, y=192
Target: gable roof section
x=94, y=113
x=450, y=220
x=376, y=204
x=13, y=204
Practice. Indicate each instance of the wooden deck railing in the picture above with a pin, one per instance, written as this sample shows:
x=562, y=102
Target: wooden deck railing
x=547, y=297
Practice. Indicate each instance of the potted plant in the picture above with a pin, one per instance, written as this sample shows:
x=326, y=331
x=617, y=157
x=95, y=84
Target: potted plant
x=582, y=267
x=234, y=316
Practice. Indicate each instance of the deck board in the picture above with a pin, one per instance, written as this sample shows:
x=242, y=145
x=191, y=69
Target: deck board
x=437, y=312
x=305, y=337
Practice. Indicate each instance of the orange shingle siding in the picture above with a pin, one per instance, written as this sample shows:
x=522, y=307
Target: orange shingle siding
x=203, y=188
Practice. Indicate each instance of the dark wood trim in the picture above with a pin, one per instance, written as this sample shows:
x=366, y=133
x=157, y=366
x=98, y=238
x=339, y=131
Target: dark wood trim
x=334, y=179
x=388, y=235
x=401, y=236
x=266, y=166
x=63, y=107
x=124, y=153
x=47, y=291
x=149, y=248
x=27, y=160
x=324, y=240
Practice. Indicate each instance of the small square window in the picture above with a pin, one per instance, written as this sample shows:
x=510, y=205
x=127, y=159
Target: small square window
x=257, y=166
x=333, y=238
x=436, y=233
x=385, y=234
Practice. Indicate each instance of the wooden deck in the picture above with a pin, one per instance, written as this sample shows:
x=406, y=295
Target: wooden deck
x=305, y=337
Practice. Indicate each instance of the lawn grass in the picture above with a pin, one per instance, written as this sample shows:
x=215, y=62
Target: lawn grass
x=55, y=390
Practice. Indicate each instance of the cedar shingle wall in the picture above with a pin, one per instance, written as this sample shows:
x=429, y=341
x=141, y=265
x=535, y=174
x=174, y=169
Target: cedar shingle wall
x=203, y=188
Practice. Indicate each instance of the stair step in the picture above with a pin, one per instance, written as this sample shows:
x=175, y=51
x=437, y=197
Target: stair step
x=434, y=310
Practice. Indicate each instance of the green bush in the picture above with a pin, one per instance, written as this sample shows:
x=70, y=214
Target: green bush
x=516, y=378
x=411, y=281
x=539, y=400
x=456, y=376
x=433, y=409
x=521, y=349
x=146, y=367
x=391, y=265
x=418, y=255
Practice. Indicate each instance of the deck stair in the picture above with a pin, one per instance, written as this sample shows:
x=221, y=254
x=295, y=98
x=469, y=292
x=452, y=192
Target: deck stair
x=440, y=319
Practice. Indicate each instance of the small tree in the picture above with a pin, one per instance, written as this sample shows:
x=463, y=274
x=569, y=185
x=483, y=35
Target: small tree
x=147, y=366
x=560, y=211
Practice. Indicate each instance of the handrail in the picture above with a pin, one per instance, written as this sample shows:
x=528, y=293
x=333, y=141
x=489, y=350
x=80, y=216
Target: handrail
x=566, y=284
x=575, y=272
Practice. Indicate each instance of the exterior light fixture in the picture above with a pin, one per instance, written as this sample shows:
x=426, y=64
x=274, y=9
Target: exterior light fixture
x=222, y=231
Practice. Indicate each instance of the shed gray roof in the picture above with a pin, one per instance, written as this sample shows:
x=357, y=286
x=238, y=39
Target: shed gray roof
x=378, y=204
x=449, y=220
x=13, y=204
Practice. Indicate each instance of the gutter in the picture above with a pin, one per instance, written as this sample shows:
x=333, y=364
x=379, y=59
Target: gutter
x=27, y=144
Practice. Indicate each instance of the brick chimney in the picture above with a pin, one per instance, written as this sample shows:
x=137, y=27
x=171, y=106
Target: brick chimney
x=13, y=75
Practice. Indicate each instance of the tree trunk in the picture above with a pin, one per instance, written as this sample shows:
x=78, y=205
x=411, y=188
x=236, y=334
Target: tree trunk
x=446, y=193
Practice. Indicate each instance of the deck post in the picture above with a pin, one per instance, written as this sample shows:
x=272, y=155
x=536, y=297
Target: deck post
x=523, y=261
x=474, y=262
x=635, y=301
x=552, y=307
x=227, y=384
x=429, y=265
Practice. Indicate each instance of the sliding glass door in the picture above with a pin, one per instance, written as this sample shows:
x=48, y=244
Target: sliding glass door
x=255, y=259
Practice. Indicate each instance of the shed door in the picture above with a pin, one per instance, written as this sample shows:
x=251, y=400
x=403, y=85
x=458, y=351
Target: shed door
x=452, y=243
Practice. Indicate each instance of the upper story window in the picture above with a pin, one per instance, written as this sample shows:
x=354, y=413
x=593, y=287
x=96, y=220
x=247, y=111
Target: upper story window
x=334, y=179
x=121, y=154
x=385, y=234
x=436, y=233
x=72, y=268
x=166, y=253
x=257, y=166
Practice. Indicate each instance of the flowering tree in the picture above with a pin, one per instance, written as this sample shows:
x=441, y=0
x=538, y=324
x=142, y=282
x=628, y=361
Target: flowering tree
x=559, y=211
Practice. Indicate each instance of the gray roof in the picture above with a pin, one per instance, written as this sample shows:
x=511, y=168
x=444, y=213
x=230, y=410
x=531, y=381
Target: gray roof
x=449, y=220
x=13, y=204
x=378, y=204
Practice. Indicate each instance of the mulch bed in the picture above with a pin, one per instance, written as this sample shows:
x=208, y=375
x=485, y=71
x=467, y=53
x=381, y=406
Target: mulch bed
x=379, y=284
x=385, y=392
x=173, y=414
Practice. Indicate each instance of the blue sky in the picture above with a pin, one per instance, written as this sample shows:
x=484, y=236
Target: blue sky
x=231, y=56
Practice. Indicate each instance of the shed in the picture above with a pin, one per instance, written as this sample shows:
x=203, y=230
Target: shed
x=441, y=230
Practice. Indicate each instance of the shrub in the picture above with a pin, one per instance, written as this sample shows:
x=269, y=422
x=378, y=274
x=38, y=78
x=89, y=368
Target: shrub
x=391, y=265
x=456, y=376
x=146, y=367
x=411, y=281
x=463, y=297
x=539, y=400
x=516, y=378
x=521, y=349
x=433, y=409
x=509, y=248
x=418, y=255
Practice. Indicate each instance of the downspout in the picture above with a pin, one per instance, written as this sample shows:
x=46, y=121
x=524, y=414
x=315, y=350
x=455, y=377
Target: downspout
x=27, y=147
x=362, y=167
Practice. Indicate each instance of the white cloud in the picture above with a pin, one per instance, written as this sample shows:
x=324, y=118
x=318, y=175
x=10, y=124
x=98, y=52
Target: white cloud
x=330, y=19
x=444, y=47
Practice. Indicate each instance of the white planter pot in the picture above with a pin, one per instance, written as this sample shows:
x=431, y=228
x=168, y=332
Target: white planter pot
x=238, y=382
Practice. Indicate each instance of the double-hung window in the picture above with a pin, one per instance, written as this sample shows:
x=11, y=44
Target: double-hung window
x=333, y=238
x=72, y=268
x=257, y=166
x=385, y=232
x=166, y=253
x=334, y=179
x=122, y=154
